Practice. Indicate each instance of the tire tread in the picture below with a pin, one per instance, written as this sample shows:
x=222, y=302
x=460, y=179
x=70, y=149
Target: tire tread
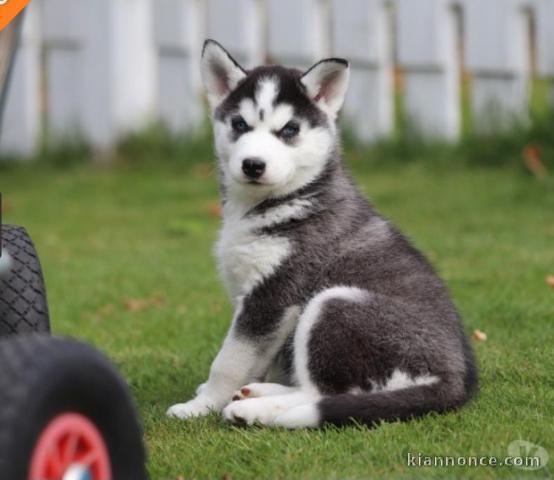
x=23, y=302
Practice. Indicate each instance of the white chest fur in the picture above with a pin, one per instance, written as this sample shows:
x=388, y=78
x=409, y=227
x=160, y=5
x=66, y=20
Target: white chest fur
x=246, y=256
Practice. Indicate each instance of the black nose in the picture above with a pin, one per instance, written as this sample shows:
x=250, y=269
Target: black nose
x=253, y=167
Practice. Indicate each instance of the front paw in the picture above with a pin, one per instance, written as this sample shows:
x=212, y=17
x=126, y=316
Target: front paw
x=196, y=407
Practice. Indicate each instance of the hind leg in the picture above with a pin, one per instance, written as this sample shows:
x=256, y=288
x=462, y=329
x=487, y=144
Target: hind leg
x=329, y=353
x=291, y=407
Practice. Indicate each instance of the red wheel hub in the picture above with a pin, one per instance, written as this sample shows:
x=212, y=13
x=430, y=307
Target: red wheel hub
x=70, y=447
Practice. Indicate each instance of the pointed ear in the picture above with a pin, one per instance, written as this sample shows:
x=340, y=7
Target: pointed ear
x=220, y=72
x=326, y=83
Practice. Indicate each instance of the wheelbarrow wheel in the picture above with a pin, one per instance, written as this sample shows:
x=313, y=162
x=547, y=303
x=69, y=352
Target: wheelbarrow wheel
x=65, y=410
x=23, y=304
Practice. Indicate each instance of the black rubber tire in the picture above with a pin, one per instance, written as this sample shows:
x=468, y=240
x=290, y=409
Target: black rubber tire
x=23, y=304
x=42, y=377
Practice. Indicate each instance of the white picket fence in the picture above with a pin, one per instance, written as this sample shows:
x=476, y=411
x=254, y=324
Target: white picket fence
x=102, y=68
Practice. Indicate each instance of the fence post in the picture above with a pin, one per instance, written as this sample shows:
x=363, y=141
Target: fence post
x=100, y=67
x=498, y=57
x=179, y=33
x=361, y=33
x=428, y=52
x=21, y=117
x=544, y=10
x=298, y=31
x=240, y=27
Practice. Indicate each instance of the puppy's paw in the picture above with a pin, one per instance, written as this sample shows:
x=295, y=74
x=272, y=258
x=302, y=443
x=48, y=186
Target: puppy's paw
x=196, y=407
x=251, y=411
x=256, y=390
x=245, y=392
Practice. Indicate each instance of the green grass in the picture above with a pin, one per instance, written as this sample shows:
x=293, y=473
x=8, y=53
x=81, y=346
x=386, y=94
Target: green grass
x=144, y=230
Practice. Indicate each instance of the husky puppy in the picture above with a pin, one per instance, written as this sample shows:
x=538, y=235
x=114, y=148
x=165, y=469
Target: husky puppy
x=337, y=316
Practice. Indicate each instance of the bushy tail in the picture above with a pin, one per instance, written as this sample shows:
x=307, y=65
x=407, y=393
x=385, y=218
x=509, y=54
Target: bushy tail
x=404, y=404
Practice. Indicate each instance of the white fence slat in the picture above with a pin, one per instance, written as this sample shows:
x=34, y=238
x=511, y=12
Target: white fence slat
x=21, y=118
x=173, y=25
x=66, y=109
x=497, y=54
x=360, y=32
x=297, y=31
x=133, y=63
x=239, y=26
x=101, y=53
x=61, y=21
x=179, y=33
x=179, y=105
x=424, y=33
x=427, y=51
x=545, y=33
x=544, y=14
x=65, y=39
x=493, y=35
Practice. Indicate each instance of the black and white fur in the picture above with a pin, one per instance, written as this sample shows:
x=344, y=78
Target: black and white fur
x=337, y=316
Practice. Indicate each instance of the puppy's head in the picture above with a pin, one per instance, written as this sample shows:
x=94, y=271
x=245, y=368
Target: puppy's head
x=274, y=127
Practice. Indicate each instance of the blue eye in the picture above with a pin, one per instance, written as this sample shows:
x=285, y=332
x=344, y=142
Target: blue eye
x=239, y=125
x=290, y=130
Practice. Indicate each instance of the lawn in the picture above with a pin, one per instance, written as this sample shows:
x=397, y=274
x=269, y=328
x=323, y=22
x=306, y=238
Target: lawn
x=126, y=253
